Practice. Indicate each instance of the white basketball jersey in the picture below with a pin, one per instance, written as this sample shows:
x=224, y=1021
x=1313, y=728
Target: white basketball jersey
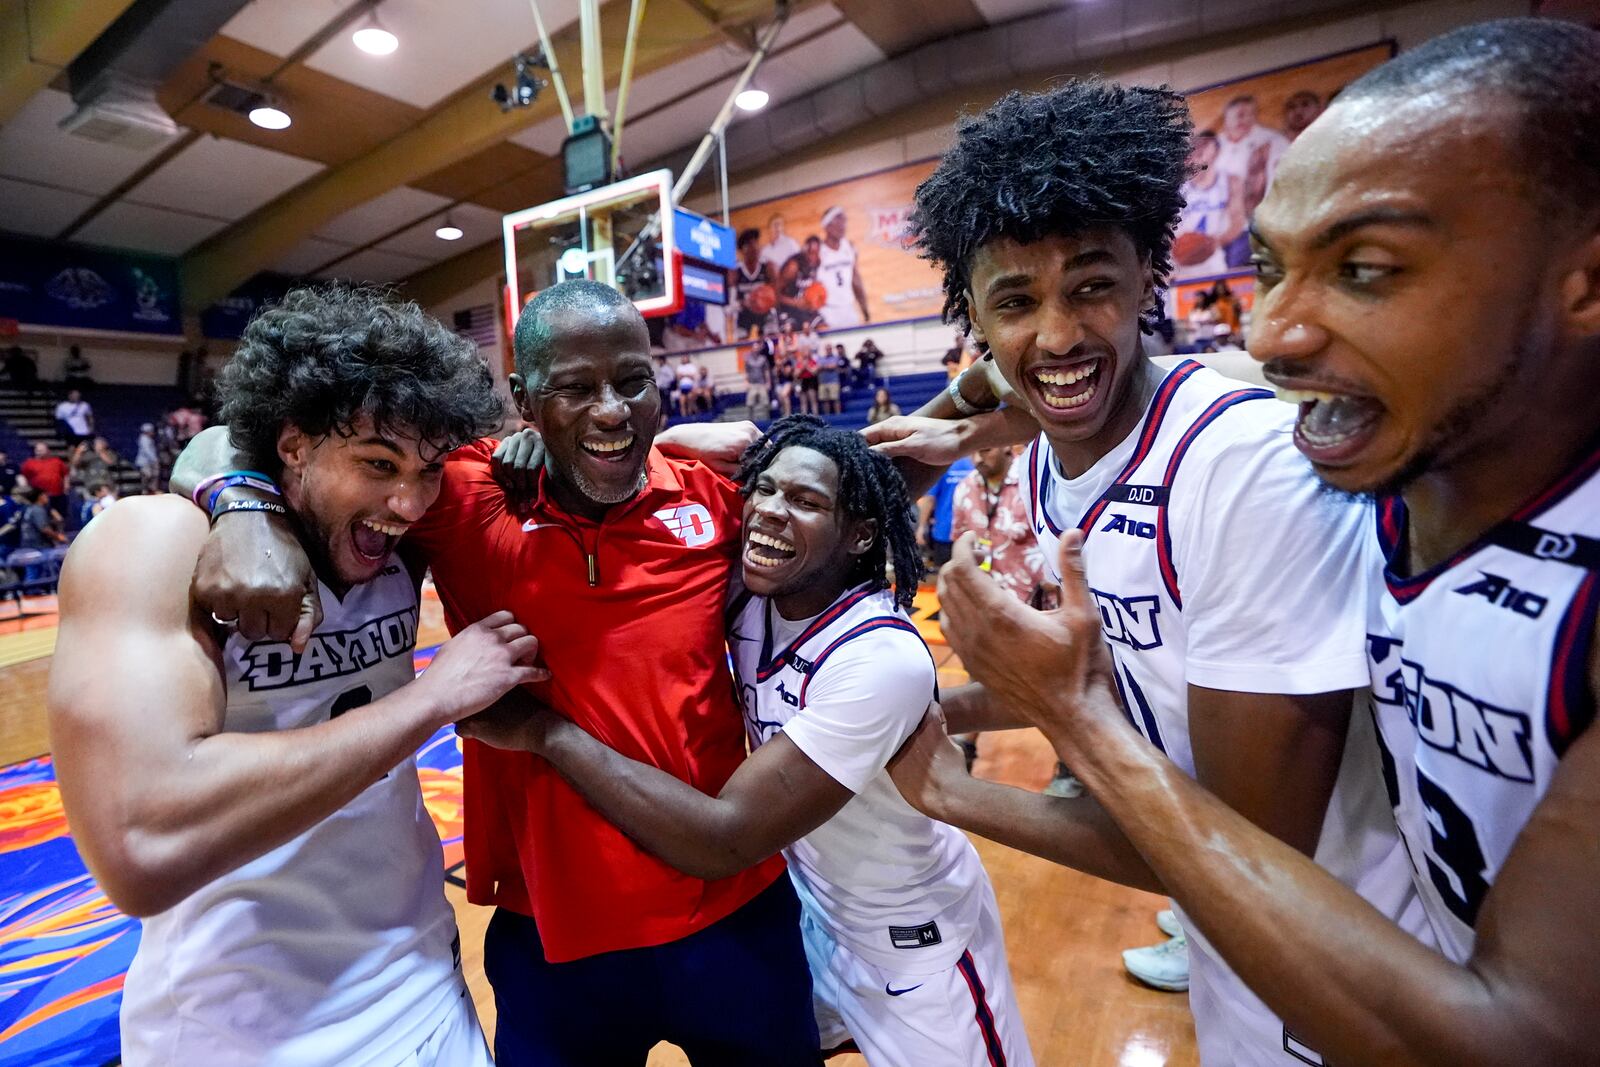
x=848, y=688
x=1479, y=685
x=1216, y=560
x=1205, y=210
x=837, y=271
x=338, y=947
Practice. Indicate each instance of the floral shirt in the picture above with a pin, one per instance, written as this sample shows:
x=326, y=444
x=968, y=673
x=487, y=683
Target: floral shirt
x=1002, y=519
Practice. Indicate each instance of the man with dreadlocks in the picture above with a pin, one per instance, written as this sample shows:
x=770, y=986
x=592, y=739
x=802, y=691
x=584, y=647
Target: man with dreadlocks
x=901, y=926
x=1227, y=584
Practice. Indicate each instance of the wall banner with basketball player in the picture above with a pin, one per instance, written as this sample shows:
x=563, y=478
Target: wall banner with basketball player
x=1242, y=128
x=834, y=255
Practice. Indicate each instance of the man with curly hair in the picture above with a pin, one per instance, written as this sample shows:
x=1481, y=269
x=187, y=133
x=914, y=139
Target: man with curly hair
x=597, y=950
x=1226, y=581
x=258, y=805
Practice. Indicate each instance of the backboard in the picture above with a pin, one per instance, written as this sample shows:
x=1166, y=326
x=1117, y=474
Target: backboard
x=622, y=234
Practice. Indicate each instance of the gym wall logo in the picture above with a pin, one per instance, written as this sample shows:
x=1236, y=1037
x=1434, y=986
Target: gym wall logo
x=81, y=289
x=887, y=225
x=147, y=299
x=689, y=523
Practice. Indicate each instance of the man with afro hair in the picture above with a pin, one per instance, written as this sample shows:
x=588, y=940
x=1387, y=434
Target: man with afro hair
x=1225, y=579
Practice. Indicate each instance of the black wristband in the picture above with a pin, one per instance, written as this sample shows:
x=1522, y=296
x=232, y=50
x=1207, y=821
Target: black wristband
x=249, y=505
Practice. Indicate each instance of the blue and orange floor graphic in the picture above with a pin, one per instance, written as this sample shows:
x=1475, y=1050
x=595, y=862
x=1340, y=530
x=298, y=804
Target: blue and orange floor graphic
x=64, y=949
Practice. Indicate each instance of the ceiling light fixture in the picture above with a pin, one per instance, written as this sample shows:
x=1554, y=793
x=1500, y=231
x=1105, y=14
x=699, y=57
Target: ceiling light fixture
x=449, y=231
x=269, y=117
x=373, y=39
x=752, y=99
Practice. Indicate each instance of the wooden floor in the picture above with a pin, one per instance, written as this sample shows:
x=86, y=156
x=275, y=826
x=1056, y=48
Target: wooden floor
x=1064, y=930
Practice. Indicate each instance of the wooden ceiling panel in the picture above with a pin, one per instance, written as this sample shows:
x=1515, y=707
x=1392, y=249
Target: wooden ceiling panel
x=334, y=121
x=538, y=186
x=895, y=29
x=467, y=179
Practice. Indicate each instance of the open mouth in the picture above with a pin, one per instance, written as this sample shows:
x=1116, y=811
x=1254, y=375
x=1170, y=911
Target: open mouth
x=373, y=540
x=1331, y=427
x=609, y=451
x=765, y=550
x=1064, y=389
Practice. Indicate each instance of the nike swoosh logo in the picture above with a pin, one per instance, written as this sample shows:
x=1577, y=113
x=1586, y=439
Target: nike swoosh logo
x=898, y=992
x=530, y=526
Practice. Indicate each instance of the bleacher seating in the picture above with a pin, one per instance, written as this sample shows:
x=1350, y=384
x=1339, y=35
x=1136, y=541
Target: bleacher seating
x=910, y=391
x=119, y=411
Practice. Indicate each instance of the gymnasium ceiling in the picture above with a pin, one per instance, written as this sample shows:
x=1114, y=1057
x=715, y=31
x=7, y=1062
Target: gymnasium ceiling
x=382, y=147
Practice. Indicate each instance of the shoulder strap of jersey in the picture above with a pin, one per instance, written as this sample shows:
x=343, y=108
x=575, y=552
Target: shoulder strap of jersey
x=1526, y=539
x=736, y=608
x=1517, y=533
x=879, y=622
x=1213, y=412
x=1569, y=704
x=772, y=664
x=1160, y=405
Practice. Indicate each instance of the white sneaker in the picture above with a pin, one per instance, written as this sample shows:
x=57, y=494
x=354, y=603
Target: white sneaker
x=1164, y=966
x=1167, y=919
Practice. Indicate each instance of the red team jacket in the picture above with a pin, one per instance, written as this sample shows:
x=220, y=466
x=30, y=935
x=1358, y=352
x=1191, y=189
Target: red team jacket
x=629, y=616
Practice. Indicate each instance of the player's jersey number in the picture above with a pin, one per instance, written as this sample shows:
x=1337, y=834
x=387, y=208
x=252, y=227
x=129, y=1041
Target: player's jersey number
x=1136, y=705
x=1454, y=859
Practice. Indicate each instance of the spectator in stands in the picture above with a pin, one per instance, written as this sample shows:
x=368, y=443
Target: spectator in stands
x=883, y=407
x=688, y=372
x=76, y=370
x=47, y=473
x=74, y=418
x=991, y=503
x=186, y=421
x=8, y=472
x=831, y=366
x=805, y=373
x=147, y=459
x=758, y=382
x=12, y=505
x=954, y=359
x=100, y=496
x=40, y=524
x=809, y=342
x=705, y=392
x=867, y=364
x=783, y=375
x=789, y=343
x=87, y=465
x=666, y=383
x=20, y=368
x=936, y=512
x=846, y=377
